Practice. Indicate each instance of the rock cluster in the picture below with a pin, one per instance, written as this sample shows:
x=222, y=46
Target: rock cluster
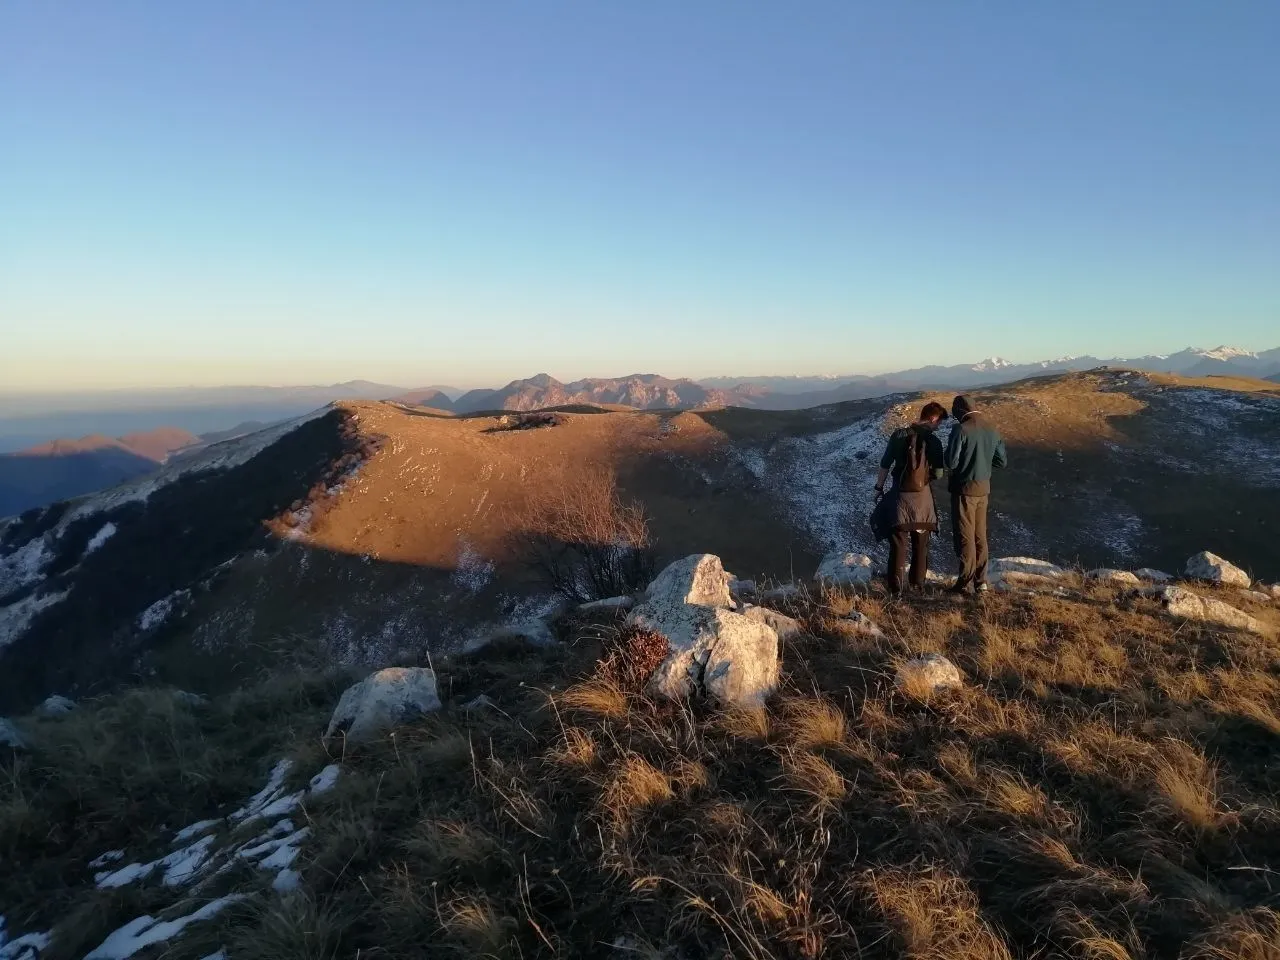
x=382, y=701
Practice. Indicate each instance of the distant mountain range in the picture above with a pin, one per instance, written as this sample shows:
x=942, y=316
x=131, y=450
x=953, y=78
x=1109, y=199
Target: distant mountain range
x=69, y=468
x=650, y=391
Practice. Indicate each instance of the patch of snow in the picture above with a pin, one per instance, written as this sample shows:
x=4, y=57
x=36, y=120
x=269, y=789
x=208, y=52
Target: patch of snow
x=24, y=566
x=16, y=617
x=26, y=947
x=286, y=881
x=260, y=850
x=111, y=856
x=98, y=539
x=269, y=793
x=146, y=931
x=473, y=571
x=325, y=780
x=159, y=612
x=220, y=955
x=180, y=867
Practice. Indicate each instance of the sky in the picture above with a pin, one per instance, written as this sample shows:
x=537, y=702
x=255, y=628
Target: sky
x=464, y=193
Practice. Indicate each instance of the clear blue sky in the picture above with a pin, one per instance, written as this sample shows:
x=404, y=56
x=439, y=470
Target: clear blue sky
x=224, y=192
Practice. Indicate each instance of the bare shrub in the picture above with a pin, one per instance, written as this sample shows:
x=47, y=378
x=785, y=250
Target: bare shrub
x=586, y=542
x=633, y=656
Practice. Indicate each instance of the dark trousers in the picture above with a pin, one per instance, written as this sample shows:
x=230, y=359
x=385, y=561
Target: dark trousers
x=969, y=529
x=919, y=540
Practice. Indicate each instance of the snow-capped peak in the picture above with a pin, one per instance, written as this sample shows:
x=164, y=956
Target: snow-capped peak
x=992, y=363
x=1225, y=353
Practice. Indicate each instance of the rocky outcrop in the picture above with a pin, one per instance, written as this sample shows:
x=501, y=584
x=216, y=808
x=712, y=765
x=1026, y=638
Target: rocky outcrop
x=714, y=651
x=1011, y=567
x=1153, y=575
x=11, y=736
x=928, y=675
x=1121, y=578
x=55, y=706
x=785, y=627
x=383, y=701
x=1213, y=569
x=1181, y=602
x=840, y=568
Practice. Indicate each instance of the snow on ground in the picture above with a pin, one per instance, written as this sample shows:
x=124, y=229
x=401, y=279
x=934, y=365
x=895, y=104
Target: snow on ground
x=24, y=566
x=137, y=935
x=826, y=482
x=16, y=616
x=98, y=539
x=218, y=456
x=473, y=571
x=26, y=947
x=159, y=612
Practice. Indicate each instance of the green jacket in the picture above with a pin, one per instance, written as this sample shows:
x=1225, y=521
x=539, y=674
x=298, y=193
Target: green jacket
x=973, y=450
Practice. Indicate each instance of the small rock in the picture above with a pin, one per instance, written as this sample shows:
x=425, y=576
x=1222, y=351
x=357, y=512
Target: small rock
x=861, y=623
x=1118, y=577
x=1258, y=595
x=384, y=700
x=782, y=593
x=1212, y=568
x=742, y=588
x=10, y=736
x=1272, y=591
x=838, y=568
x=609, y=603
x=1153, y=575
x=923, y=677
x=785, y=627
x=482, y=702
x=55, y=706
x=1028, y=565
x=1181, y=602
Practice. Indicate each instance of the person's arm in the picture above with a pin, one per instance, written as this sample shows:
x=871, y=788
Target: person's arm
x=886, y=463
x=937, y=457
x=955, y=445
x=1000, y=458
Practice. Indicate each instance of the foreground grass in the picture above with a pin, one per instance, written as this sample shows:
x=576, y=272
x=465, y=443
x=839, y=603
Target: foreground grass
x=1105, y=787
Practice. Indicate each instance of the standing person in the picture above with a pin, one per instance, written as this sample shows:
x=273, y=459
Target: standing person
x=915, y=457
x=974, y=449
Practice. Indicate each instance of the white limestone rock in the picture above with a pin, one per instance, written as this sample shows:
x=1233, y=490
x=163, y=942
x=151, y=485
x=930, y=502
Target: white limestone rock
x=1152, y=575
x=785, y=627
x=620, y=604
x=698, y=578
x=1004, y=566
x=863, y=624
x=839, y=568
x=1181, y=602
x=56, y=706
x=383, y=701
x=1213, y=569
x=928, y=675
x=1121, y=578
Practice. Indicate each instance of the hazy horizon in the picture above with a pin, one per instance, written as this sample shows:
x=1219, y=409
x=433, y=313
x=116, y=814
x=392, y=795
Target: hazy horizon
x=232, y=193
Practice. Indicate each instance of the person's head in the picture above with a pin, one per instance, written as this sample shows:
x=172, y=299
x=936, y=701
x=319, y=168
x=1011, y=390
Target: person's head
x=961, y=407
x=933, y=413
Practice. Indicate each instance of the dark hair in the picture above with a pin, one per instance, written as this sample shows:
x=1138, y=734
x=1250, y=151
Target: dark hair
x=933, y=411
x=961, y=407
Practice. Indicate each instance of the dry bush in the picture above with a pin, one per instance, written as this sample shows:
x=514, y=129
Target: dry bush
x=636, y=785
x=811, y=722
x=585, y=542
x=633, y=654
x=602, y=697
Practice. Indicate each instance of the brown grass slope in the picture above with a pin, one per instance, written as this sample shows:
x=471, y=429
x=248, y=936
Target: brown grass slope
x=1105, y=786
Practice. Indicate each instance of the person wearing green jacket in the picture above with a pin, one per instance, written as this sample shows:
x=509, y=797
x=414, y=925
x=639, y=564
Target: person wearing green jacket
x=973, y=451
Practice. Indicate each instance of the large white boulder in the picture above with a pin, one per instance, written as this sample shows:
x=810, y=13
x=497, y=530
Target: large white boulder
x=714, y=651
x=11, y=736
x=384, y=700
x=839, y=567
x=698, y=578
x=1212, y=568
x=1181, y=602
x=1152, y=574
x=1121, y=578
x=928, y=675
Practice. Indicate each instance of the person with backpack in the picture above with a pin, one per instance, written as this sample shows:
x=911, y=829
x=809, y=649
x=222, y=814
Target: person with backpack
x=973, y=450
x=907, y=515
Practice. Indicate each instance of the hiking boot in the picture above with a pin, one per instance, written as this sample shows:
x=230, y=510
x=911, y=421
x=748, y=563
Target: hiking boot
x=983, y=587
x=960, y=589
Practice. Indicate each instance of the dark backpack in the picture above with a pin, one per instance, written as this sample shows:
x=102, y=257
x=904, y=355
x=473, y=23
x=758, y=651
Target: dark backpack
x=916, y=472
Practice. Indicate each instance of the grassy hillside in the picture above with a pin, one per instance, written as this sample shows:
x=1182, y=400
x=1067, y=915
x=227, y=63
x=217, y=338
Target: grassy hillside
x=1105, y=786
